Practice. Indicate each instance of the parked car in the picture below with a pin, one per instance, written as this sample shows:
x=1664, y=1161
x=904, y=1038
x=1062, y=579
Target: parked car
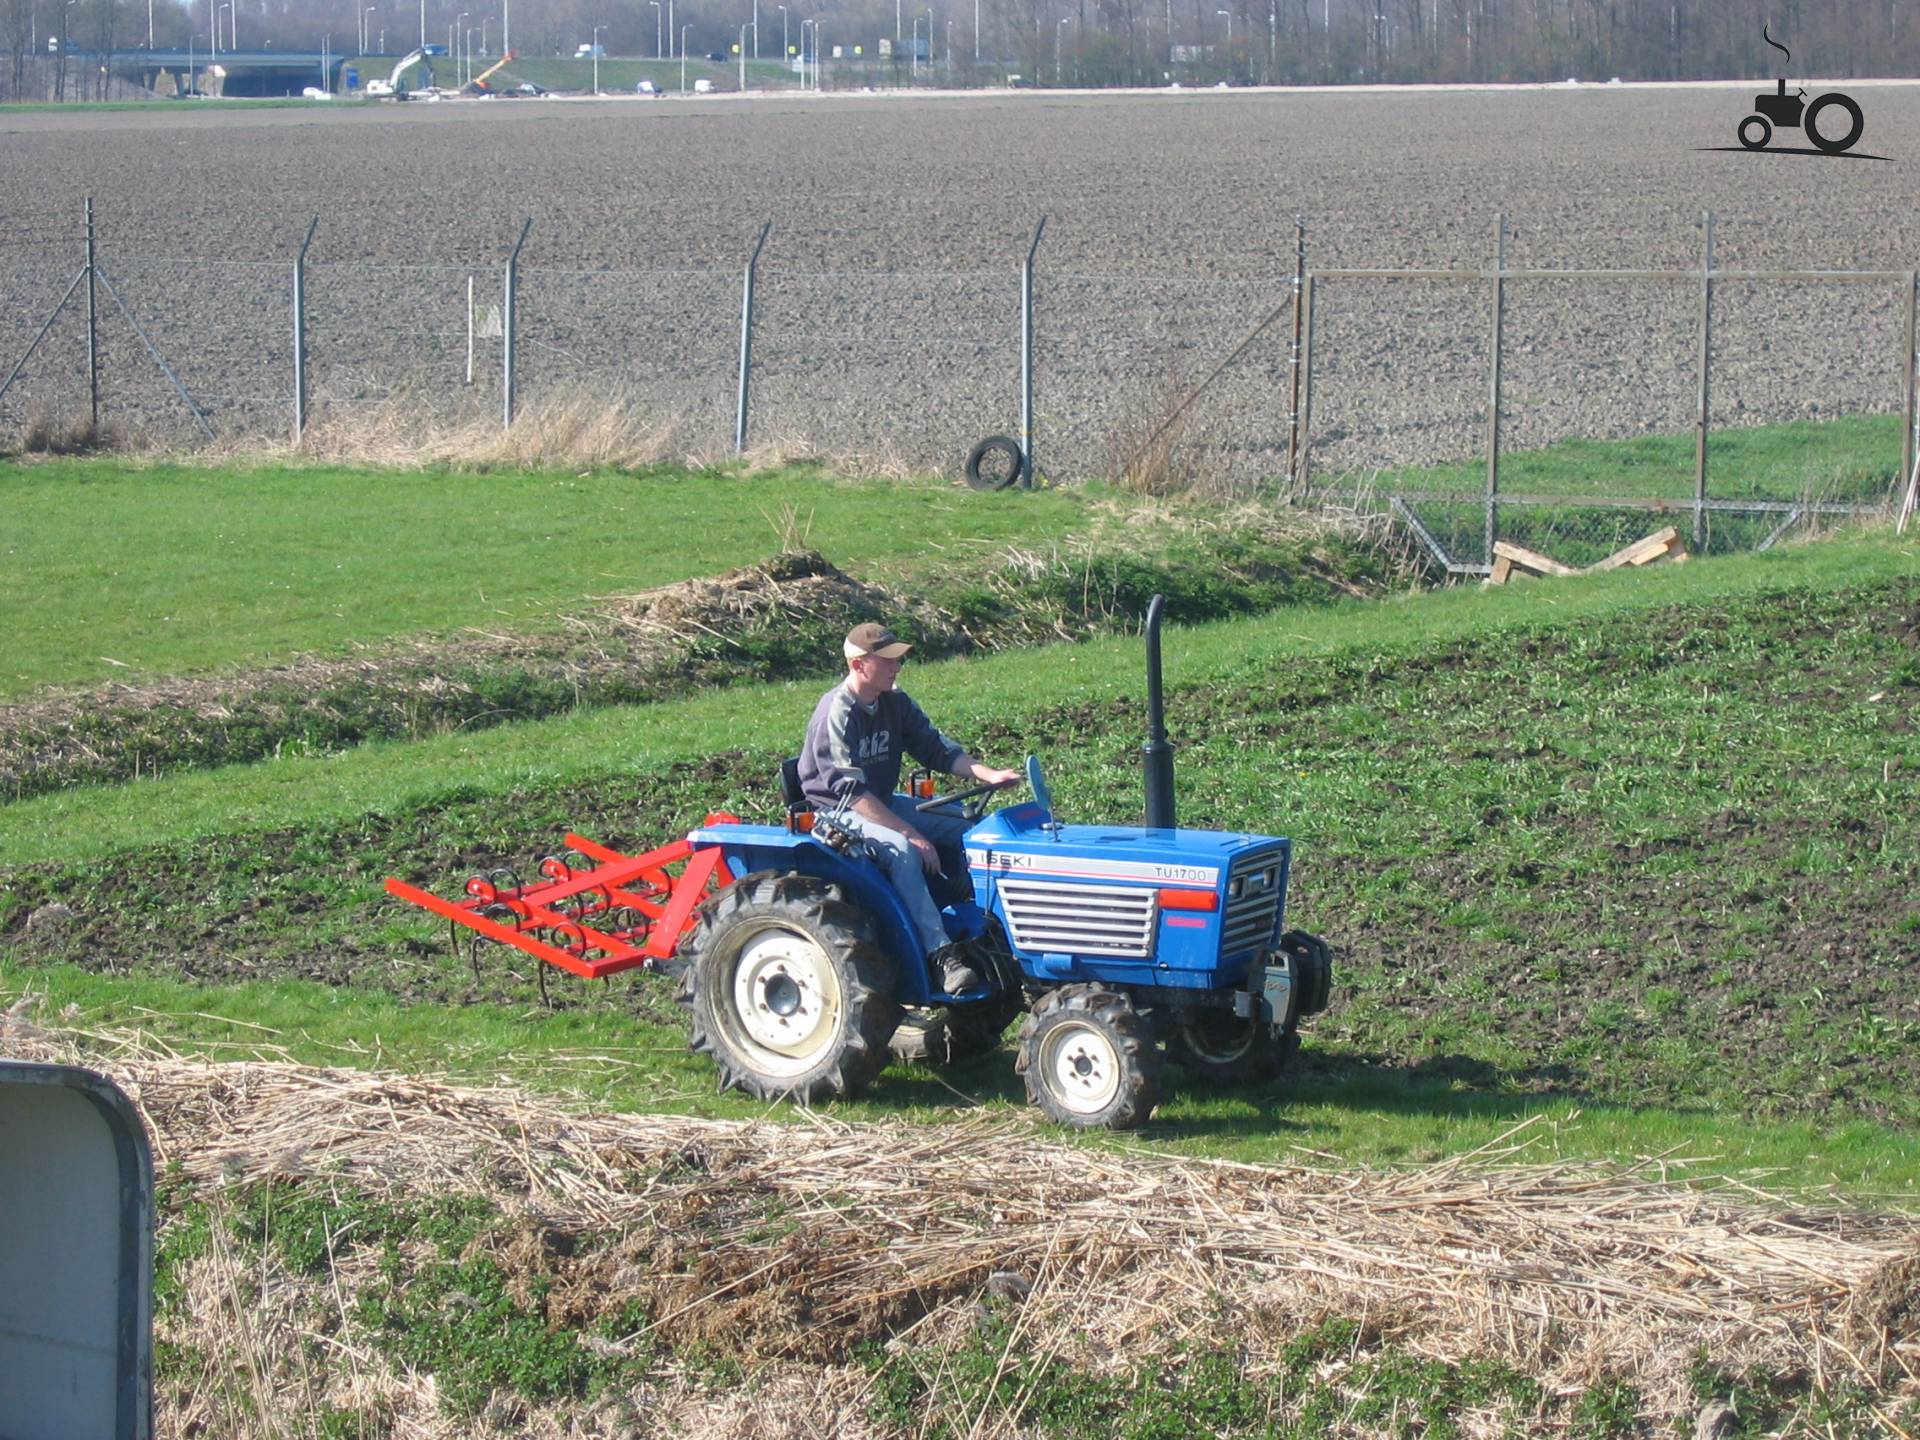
x=719, y=57
x=527, y=87
x=590, y=52
x=646, y=87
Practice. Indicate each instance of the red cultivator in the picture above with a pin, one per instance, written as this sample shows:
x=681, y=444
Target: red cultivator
x=626, y=912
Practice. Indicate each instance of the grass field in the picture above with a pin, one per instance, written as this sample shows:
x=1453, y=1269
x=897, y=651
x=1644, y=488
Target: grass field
x=1623, y=860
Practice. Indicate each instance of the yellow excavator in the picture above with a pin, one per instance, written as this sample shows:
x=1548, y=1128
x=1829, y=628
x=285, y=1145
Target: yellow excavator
x=478, y=85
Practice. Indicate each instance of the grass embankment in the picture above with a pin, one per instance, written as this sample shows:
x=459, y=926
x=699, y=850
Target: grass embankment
x=275, y=611
x=1629, y=848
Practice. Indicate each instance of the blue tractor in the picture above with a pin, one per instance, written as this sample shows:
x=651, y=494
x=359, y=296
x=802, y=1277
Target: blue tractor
x=805, y=975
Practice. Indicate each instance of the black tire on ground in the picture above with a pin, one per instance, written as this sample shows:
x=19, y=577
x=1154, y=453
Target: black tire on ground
x=1747, y=132
x=788, y=990
x=995, y=463
x=948, y=1034
x=1223, y=1048
x=1810, y=123
x=1089, y=1060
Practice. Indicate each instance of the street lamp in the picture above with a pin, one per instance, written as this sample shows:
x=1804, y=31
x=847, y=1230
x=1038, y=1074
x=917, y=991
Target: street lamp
x=657, y=13
x=785, y=53
x=756, y=35
x=913, y=55
x=596, y=57
x=1065, y=20
x=485, y=20
x=366, y=27
x=457, y=43
x=423, y=24
x=226, y=5
x=1229, y=15
x=929, y=37
x=683, y=56
x=743, y=59
x=803, y=48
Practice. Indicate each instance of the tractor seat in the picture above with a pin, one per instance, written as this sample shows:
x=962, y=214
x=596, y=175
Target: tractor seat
x=791, y=795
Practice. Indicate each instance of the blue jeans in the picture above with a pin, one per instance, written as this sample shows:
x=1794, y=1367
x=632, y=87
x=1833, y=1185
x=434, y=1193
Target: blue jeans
x=903, y=866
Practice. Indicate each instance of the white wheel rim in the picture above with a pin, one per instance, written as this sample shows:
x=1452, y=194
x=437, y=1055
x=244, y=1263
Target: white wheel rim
x=1081, y=1067
x=786, y=1001
x=1216, y=1049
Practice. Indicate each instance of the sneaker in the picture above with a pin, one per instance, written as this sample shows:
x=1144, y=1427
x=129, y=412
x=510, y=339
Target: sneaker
x=956, y=973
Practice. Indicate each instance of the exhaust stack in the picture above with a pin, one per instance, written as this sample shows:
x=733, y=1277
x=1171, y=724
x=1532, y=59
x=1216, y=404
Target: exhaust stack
x=1157, y=754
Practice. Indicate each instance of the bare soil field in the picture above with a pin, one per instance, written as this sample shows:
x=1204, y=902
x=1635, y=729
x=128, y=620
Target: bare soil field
x=889, y=291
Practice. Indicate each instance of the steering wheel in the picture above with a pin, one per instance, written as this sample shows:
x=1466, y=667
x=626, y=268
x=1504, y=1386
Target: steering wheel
x=945, y=804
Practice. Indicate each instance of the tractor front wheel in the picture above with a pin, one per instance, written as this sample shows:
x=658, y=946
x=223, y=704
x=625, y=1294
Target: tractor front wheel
x=1089, y=1060
x=788, y=990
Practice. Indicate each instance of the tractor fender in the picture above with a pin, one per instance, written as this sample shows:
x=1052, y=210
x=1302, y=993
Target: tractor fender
x=750, y=849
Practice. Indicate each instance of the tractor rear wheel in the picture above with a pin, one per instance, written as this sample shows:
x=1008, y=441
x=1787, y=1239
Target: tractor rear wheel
x=788, y=990
x=1227, y=1049
x=1089, y=1060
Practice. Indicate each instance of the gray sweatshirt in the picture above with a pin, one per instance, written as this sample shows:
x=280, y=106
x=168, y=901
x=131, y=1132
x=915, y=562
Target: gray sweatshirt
x=861, y=746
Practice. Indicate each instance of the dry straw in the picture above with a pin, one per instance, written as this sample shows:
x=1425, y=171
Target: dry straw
x=1574, y=1274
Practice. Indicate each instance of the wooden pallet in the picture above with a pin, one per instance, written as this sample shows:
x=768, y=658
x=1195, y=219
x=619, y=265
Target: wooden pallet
x=1510, y=559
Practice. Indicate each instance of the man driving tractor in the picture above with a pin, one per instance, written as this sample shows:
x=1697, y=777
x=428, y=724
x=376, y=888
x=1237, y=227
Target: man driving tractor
x=855, y=741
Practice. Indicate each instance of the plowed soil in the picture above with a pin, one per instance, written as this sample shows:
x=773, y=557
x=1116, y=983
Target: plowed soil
x=889, y=298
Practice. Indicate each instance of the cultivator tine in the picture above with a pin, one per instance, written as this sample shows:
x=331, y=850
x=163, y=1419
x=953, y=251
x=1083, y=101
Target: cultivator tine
x=607, y=913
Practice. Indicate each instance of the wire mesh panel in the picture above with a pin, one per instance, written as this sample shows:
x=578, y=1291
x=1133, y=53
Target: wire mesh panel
x=1129, y=371
x=225, y=331
x=1399, y=399
x=662, y=344
x=51, y=389
x=1588, y=363
x=897, y=369
x=1793, y=355
x=391, y=340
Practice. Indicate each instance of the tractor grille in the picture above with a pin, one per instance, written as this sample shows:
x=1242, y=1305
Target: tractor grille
x=1253, y=904
x=1069, y=919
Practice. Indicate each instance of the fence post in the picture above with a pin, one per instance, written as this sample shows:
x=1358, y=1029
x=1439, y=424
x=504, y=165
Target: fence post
x=1293, y=355
x=1706, y=354
x=1026, y=355
x=1493, y=384
x=1910, y=375
x=507, y=328
x=746, y=332
x=93, y=328
x=1306, y=392
x=300, y=334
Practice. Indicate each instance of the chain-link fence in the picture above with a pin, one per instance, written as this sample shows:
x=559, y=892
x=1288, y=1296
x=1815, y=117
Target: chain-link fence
x=1567, y=411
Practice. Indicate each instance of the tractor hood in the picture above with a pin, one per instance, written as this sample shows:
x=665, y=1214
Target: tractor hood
x=1017, y=840
x=1129, y=905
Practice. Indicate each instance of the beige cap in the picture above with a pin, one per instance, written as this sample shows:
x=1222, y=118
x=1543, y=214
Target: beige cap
x=874, y=639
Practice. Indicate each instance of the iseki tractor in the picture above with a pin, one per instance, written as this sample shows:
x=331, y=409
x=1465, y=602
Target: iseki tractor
x=803, y=975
